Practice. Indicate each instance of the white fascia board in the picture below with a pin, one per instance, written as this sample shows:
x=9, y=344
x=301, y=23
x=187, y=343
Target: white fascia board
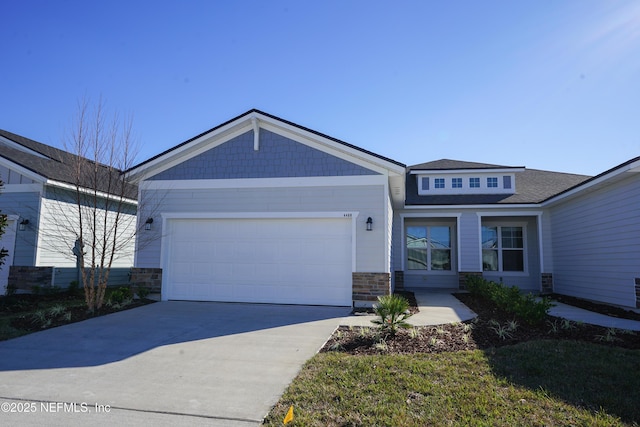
x=630, y=168
x=461, y=171
x=231, y=130
x=185, y=152
x=315, y=181
x=84, y=190
x=21, y=170
x=335, y=149
x=474, y=207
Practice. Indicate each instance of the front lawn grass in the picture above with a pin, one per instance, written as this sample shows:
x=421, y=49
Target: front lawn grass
x=536, y=383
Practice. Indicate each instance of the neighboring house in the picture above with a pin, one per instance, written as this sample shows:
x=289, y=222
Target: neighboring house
x=39, y=199
x=259, y=209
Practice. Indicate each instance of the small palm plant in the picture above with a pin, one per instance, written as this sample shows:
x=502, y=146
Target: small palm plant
x=393, y=311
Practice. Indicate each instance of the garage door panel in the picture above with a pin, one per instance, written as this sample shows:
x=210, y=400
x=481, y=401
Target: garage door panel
x=180, y=269
x=299, y=261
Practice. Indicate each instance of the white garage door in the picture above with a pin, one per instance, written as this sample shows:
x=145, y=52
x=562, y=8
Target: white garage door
x=287, y=261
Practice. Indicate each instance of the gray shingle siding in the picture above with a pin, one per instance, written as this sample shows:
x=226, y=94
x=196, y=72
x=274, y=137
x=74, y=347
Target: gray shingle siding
x=277, y=157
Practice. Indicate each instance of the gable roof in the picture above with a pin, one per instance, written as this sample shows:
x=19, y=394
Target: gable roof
x=253, y=113
x=532, y=185
x=53, y=164
x=604, y=178
x=448, y=164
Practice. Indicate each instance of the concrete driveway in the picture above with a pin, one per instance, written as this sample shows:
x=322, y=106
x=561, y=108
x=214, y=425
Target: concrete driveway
x=169, y=363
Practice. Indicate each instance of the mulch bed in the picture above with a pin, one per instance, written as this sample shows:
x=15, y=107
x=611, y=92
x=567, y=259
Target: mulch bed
x=492, y=328
x=29, y=303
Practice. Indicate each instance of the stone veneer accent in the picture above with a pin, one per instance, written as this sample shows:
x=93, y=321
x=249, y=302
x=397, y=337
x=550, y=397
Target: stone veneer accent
x=148, y=277
x=462, y=278
x=637, y=292
x=369, y=286
x=399, y=279
x=24, y=278
x=547, y=283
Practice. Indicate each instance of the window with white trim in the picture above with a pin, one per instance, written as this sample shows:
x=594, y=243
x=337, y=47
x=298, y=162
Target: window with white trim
x=502, y=248
x=456, y=182
x=429, y=247
x=474, y=182
x=492, y=182
x=438, y=183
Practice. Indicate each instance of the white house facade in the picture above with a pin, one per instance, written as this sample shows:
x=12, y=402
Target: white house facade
x=259, y=209
x=262, y=210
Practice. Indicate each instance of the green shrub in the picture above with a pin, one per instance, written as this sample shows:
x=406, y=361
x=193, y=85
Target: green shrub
x=393, y=311
x=143, y=291
x=120, y=295
x=527, y=307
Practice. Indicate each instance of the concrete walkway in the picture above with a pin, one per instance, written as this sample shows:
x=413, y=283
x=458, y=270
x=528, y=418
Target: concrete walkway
x=585, y=316
x=436, y=307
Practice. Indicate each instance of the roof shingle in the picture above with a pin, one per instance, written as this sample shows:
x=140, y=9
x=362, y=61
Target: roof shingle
x=58, y=165
x=532, y=185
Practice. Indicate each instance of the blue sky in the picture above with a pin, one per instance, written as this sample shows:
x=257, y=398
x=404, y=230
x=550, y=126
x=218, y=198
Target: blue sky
x=545, y=84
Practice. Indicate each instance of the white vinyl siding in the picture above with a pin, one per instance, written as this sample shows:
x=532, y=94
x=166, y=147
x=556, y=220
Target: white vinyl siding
x=59, y=227
x=368, y=200
x=596, y=243
x=469, y=242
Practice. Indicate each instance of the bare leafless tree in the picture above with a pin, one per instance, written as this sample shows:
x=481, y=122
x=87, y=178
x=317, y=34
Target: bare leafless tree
x=91, y=212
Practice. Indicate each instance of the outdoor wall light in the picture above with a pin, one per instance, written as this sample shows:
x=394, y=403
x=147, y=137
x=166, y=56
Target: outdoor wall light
x=147, y=224
x=23, y=224
x=369, y=224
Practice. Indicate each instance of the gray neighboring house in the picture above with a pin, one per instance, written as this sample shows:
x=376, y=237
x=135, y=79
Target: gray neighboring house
x=38, y=197
x=259, y=209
